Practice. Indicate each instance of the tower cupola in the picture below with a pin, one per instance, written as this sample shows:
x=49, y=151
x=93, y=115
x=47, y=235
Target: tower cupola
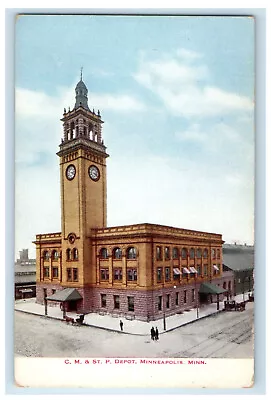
x=81, y=94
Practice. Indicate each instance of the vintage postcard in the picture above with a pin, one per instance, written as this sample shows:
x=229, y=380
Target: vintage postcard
x=134, y=238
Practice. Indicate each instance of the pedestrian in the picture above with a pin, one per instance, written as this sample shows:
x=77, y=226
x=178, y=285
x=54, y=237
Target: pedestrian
x=152, y=333
x=156, y=334
x=121, y=325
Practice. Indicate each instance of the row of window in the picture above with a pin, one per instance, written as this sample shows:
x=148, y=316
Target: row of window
x=168, y=300
x=72, y=273
x=117, y=274
x=71, y=255
x=131, y=253
x=176, y=253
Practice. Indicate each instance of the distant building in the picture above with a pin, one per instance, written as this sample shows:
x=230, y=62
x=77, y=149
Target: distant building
x=25, y=276
x=240, y=260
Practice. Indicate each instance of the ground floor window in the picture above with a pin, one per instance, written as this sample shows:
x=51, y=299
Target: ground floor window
x=184, y=296
x=131, y=306
x=193, y=295
x=159, y=303
x=103, y=300
x=168, y=301
x=53, y=291
x=167, y=274
x=116, y=302
x=177, y=298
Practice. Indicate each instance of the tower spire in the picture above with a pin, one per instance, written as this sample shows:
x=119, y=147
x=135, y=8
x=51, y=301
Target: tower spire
x=81, y=73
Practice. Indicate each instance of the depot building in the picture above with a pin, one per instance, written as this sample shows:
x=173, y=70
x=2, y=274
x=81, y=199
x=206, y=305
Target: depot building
x=143, y=271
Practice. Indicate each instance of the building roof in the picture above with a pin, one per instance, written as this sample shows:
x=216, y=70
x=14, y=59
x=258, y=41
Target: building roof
x=25, y=278
x=67, y=294
x=238, y=260
x=210, y=288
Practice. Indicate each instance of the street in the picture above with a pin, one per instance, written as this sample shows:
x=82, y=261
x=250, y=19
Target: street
x=223, y=335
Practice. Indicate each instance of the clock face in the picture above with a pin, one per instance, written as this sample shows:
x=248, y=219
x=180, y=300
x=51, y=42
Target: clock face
x=70, y=172
x=94, y=173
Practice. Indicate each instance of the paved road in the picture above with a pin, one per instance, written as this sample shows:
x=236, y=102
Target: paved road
x=227, y=334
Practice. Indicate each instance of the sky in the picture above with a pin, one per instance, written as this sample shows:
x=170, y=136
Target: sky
x=177, y=98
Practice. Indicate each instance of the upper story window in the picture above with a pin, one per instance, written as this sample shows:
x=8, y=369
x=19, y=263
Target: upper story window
x=175, y=253
x=46, y=272
x=167, y=274
x=218, y=253
x=69, y=274
x=75, y=254
x=131, y=253
x=117, y=273
x=205, y=253
x=192, y=253
x=55, y=272
x=104, y=253
x=167, y=253
x=104, y=274
x=55, y=255
x=68, y=254
x=131, y=274
x=158, y=253
x=46, y=255
x=199, y=253
x=159, y=274
x=184, y=253
x=213, y=253
x=117, y=253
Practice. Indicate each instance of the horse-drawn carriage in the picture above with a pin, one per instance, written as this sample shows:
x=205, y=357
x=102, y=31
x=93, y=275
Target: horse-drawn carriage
x=234, y=306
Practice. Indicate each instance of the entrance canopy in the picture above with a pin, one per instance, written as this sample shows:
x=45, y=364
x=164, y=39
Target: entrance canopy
x=68, y=294
x=210, y=288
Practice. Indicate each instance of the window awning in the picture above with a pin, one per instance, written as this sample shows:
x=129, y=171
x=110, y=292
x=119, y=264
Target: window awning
x=176, y=271
x=186, y=271
x=216, y=267
x=193, y=270
x=210, y=288
x=68, y=294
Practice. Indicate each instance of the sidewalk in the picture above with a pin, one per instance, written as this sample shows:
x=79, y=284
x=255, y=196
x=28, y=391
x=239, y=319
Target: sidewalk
x=135, y=327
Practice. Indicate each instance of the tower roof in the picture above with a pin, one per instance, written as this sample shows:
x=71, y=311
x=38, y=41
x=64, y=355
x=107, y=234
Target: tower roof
x=81, y=94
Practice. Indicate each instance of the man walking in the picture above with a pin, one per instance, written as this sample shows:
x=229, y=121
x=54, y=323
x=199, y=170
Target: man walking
x=121, y=325
x=152, y=333
x=156, y=334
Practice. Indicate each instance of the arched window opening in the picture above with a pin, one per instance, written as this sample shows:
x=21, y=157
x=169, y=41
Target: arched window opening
x=192, y=253
x=175, y=253
x=46, y=255
x=75, y=254
x=184, y=253
x=131, y=253
x=117, y=253
x=68, y=254
x=55, y=255
x=199, y=253
x=104, y=253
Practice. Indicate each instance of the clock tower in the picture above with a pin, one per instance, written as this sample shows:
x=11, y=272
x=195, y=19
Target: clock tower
x=83, y=186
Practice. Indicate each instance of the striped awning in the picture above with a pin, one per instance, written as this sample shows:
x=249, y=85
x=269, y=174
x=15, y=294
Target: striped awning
x=176, y=271
x=186, y=271
x=216, y=267
x=193, y=270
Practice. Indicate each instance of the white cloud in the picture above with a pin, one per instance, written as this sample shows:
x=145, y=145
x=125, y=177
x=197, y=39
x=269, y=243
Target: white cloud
x=184, y=89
